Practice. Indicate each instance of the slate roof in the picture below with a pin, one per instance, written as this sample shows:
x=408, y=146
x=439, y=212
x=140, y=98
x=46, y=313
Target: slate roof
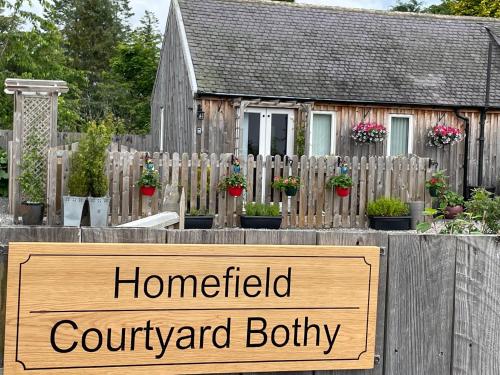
x=274, y=49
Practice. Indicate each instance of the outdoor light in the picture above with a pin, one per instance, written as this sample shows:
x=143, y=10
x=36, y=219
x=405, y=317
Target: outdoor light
x=200, y=115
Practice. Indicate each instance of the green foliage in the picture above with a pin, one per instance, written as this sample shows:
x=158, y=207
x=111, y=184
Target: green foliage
x=30, y=181
x=4, y=175
x=88, y=174
x=388, y=207
x=78, y=184
x=486, y=210
x=300, y=141
x=451, y=199
x=259, y=209
x=341, y=181
x=481, y=8
x=233, y=180
x=150, y=178
x=200, y=212
x=414, y=6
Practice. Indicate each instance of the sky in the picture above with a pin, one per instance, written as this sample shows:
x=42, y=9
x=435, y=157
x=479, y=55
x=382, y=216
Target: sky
x=160, y=7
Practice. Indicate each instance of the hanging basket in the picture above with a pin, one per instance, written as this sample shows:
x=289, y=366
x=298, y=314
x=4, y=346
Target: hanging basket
x=291, y=191
x=148, y=191
x=235, y=191
x=342, y=192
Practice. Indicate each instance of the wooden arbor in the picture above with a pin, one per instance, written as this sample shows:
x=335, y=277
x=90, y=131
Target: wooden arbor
x=35, y=113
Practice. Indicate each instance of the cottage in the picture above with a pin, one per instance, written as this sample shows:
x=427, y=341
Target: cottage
x=263, y=77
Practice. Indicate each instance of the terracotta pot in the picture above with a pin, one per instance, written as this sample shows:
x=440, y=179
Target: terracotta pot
x=291, y=191
x=342, y=192
x=148, y=191
x=453, y=212
x=235, y=191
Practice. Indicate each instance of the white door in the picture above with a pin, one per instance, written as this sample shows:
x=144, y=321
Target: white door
x=267, y=131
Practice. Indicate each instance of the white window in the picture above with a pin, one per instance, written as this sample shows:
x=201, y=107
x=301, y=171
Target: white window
x=322, y=134
x=400, y=137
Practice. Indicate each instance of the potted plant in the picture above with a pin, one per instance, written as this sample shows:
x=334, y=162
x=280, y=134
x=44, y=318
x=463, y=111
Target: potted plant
x=198, y=219
x=342, y=184
x=261, y=216
x=289, y=185
x=31, y=184
x=442, y=135
x=389, y=214
x=94, y=147
x=366, y=132
x=78, y=191
x=233, y=184
x=150, y=180
x=452, y=204
x=436, y=184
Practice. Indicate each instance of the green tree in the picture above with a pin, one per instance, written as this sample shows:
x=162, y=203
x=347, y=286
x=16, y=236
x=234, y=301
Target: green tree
x=126, y=89
x=35, y=52
x=481, y=8
x=414, y=6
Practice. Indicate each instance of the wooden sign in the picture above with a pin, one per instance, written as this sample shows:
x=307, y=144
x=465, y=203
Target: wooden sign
x=198, y=309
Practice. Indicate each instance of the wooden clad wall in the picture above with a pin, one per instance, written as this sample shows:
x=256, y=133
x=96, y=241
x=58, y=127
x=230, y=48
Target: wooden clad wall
x=173, y=92
x=219, y=135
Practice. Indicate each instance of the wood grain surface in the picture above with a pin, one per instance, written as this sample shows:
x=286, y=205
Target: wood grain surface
x=78, y=319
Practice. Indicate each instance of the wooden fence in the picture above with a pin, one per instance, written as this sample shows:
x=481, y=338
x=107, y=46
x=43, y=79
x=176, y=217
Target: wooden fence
x=439, y=296
x=138, y=142
x=315, y=206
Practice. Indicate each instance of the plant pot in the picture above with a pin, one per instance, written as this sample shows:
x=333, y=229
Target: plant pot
x=32, y=213
x=291, y=191
x=344, y=170
x=434, y=192
x=99, y=208
x=73, y=208
x=198, y=222
x=236, y=168
x=148, y=191
x=261, y=222
x=452, y=212
x=390, y=223
x=235, y=191
x=342, y=192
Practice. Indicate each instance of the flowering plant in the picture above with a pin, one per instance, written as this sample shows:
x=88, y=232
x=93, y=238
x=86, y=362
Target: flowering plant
x=437, y=183
x=366, y=132
x=441, y=135
x=286, y=182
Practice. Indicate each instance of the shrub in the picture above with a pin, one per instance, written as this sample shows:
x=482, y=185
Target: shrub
x=259, y=209
x=485, y=209
x=30, y=181
x=341, y=181
x=4, y=175
x=388, y=207
x=88, y=165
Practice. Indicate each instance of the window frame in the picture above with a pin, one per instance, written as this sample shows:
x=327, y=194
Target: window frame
x=410, y=132
x=333, y=129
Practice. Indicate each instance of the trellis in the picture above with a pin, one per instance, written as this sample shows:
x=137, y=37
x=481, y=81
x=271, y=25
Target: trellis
x=35, y=114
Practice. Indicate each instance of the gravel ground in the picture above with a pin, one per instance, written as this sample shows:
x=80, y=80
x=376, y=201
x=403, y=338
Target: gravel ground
x=5, y=218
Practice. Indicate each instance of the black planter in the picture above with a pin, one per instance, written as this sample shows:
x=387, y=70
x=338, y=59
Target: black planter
x=32, y=213
x=198, y=222
x=390, y=223
x=291, y=191
x=261, y=222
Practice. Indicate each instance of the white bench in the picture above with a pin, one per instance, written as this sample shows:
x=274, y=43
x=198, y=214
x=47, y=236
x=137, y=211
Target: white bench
x=163, y=219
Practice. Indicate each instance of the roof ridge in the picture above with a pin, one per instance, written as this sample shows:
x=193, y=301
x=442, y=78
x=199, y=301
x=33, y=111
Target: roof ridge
x=367, y=11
